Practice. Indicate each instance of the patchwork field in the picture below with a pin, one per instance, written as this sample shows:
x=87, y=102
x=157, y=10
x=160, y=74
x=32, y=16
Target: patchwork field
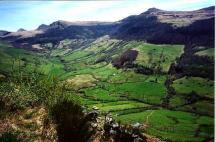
x=172, y=125
x=132, y=97
x=158, y=55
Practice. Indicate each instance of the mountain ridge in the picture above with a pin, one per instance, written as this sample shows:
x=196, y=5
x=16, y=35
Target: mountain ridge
x=154, y=26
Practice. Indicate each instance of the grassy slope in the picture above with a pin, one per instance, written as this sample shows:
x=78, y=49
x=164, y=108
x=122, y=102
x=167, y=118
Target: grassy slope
x=208, y=52
x=13, y=59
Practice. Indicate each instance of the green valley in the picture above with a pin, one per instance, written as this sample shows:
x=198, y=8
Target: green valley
x=132, y=97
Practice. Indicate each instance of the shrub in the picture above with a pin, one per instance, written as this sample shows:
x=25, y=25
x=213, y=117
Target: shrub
x=71, y=122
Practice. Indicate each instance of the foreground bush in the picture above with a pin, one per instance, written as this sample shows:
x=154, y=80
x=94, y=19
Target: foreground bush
x=71, y=122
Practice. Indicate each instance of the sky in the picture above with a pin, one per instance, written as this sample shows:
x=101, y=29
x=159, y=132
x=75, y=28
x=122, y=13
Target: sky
x=30, y=14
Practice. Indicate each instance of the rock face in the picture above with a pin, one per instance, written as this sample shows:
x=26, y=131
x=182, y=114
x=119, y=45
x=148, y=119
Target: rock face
x=154, y=26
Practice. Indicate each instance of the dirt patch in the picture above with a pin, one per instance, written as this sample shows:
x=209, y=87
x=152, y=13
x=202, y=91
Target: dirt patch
x=80, y=81
x=150, y=138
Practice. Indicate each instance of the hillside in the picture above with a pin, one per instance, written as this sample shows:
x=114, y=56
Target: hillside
x=179, y=27
x=154, y=69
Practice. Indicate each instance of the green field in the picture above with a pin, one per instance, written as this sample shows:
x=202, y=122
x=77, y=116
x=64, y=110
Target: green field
x=201, y=86
x=158, y=55
x=172, y=125
x=207, y=52
x=132, y=97
x=13, y=60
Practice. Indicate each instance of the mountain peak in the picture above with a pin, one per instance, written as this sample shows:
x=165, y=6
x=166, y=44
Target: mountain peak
x=152, y=10
x=43, y=27
x=21, y=30
x=209, y=8
x=60, y=24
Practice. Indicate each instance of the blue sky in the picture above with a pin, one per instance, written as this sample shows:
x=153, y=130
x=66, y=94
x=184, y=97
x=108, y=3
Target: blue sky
x=30, y=14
